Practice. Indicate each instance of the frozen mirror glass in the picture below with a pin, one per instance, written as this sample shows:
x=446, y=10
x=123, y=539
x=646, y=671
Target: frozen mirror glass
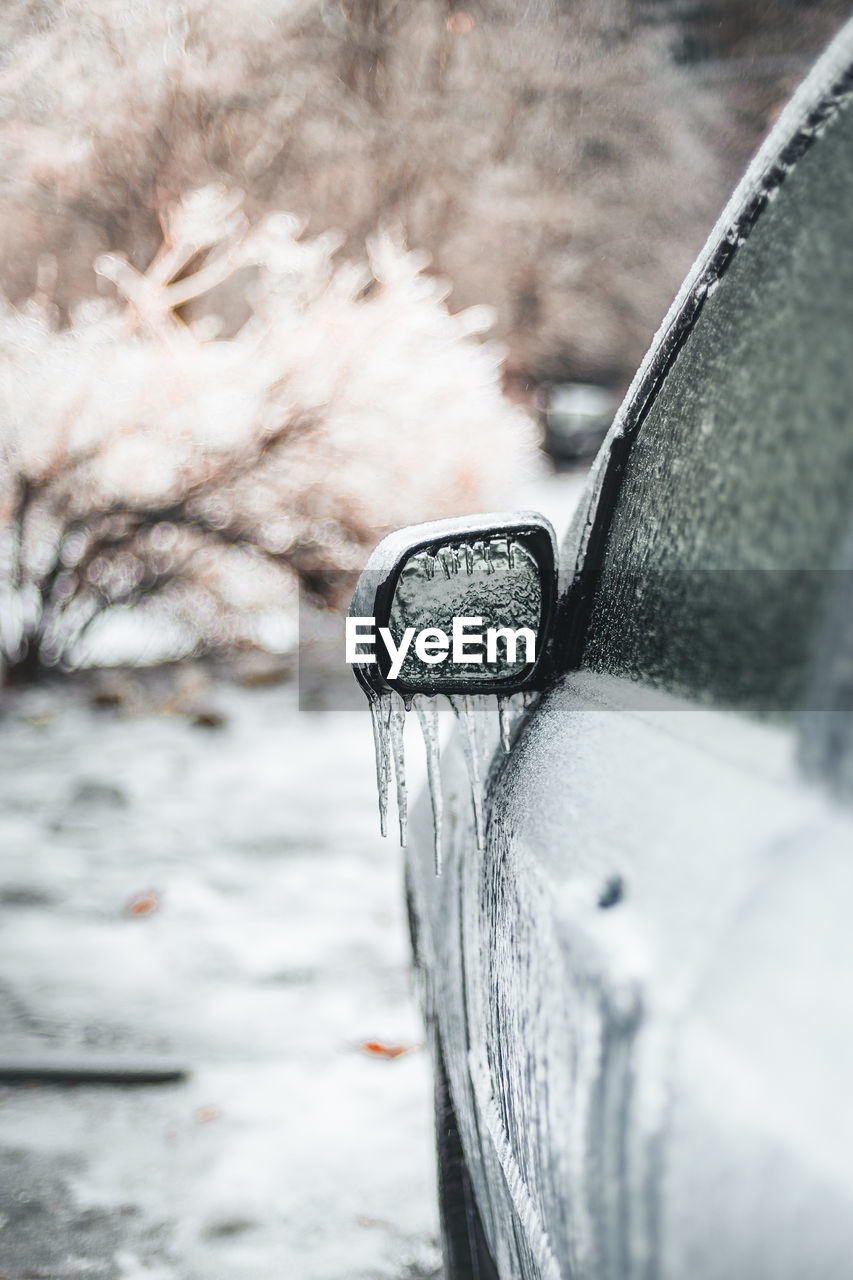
x=458, y=606
x=484, y=597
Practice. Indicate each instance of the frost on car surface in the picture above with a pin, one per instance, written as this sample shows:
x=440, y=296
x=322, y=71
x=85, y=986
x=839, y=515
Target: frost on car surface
x=737, y=491
x=495, y=580
x=388, y=713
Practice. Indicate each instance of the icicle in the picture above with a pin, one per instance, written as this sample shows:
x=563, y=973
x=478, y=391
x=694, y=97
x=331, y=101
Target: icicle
x=481, y=735
x=504, y=718
x=388, y=719
x=427, y=712
x=396, y=727
x=461, y=704
x=380, y=710
x=469, y=558
x=430, y=566
x=528, y=698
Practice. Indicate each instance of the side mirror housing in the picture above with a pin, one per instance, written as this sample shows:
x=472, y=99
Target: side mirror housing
x=459, y=606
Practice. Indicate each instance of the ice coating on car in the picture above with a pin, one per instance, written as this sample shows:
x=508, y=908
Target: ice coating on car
x=467, y=716
x=495, y=579
x=471, y=597
x=504, y=719
x=426, y=710
x=388, y=712
x=396, y=724
x=379, y=706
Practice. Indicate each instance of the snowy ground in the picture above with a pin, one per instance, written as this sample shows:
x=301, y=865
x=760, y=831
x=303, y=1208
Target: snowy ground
x=220, y=896
x=274, y=951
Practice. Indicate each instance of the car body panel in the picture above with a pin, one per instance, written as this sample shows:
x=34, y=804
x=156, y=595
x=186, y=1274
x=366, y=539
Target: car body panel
x=581, y=1022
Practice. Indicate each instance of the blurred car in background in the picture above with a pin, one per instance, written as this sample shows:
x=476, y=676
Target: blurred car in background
x=638, y=990
x=576, y=416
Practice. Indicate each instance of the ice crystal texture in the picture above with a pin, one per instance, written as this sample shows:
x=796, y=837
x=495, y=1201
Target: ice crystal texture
x=495, y=579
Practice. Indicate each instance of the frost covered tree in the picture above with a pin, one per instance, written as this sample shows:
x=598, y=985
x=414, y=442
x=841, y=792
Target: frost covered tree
x=159, y=457
x=555, y=158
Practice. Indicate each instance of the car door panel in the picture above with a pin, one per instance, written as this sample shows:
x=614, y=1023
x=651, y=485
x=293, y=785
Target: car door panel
x=572, y=1017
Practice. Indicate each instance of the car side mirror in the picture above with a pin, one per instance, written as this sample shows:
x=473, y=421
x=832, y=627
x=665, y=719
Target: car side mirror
x=458, y=606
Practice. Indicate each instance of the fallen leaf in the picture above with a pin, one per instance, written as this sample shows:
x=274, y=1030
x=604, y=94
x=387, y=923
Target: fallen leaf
x=143, y=905
x=107, y=698
x=203, y=1114
x=209, y=720
x=380, y=1050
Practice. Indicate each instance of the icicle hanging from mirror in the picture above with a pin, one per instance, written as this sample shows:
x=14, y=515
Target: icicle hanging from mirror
x=426, y=710
x=463, y=709
x=388, y=716
x=379, y=704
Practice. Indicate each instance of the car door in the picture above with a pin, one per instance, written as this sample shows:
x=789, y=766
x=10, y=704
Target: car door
x=648, y=1046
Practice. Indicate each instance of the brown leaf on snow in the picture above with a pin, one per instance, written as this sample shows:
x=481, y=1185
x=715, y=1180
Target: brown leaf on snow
x=204, y=1114
x=144, y=904
x=379, y=1050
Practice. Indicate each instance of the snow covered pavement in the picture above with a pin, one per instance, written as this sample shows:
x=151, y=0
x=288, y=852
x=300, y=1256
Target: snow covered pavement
x=220, y=896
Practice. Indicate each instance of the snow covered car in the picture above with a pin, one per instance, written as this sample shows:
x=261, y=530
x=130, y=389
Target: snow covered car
x=638, y=975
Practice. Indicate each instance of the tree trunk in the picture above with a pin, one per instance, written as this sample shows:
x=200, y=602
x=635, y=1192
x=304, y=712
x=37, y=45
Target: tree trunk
x=27, y=668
